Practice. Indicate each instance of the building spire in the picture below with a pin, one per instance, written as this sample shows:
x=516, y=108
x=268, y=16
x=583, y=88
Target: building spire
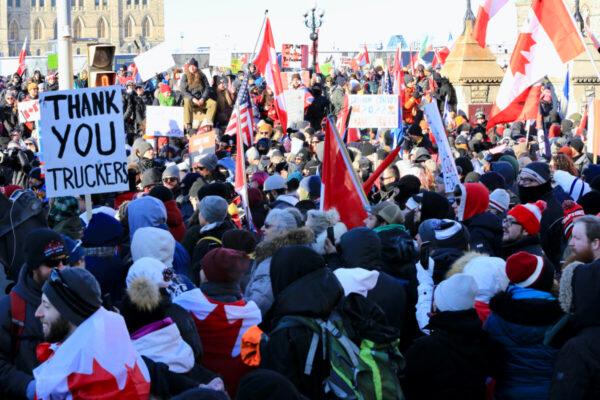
x=469, y=16
x=578, y=17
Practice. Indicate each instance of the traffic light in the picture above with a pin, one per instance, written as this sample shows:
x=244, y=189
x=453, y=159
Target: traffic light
x=100, y=64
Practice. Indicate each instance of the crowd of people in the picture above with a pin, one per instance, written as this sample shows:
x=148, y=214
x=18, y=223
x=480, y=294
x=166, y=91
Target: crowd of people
x=174, y=289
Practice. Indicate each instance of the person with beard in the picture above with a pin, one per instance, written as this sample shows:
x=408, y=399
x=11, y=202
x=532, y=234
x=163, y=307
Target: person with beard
x=521, y=229
x=196, y=92
x=585, y=240
x=388, y=185
x=485, y=228
x=520, y=318
x=535, y=183
x=44, y=251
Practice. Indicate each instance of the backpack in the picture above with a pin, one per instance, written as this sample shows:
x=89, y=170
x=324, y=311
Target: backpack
x=364, y=371
x=18, y=308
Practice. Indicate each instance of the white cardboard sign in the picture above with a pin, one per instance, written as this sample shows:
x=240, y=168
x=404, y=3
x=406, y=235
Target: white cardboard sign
x=219, y=57
x=374, y=111
x=446, y=158
x=154, y=61
x=83, y=141
x=29, y=111
x=164, y=121
x=294, y=102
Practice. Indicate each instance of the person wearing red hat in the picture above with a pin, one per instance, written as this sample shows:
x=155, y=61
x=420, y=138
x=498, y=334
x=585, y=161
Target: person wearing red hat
x=520, y=318
x=166, y=97
x=521, y=229
x=471, y=202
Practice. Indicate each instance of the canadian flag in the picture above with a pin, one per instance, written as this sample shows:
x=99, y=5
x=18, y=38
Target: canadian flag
x=550, y=40
x=98, y=361
x=484, y=14
x=266, y=63
x=353, y=134
x=341, y=188
x=439, y=56
x=22, y=55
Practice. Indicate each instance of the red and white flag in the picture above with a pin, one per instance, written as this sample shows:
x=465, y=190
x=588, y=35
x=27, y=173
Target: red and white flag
x=240, y=170
x=341, y=189
x=485, y=13
x=361, y=59
x=22, y=55
x=550, y=40
x=98, y=361
x=353, y=134
x=439, y=56
x=266, y=63
x=242, y=119
x=399, y=85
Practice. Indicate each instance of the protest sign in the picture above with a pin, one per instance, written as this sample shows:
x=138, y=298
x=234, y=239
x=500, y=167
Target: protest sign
x=294, y=101
x=294, y=56
x=286, y=79
x=164, y=121
x=374, y=111
x=83, y=141
x=29, y=111
x=219, y=57
x=52, y=61
x=154, y=61
x=446, y=159
x=202, y=144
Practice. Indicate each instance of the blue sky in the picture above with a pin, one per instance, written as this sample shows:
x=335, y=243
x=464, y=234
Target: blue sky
x=347, y=25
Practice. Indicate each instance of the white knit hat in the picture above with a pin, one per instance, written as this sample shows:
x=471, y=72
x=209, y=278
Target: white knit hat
x=456, y=293
x=148, y=268
x=155, y=243
x=489, y=274
x=500, y=200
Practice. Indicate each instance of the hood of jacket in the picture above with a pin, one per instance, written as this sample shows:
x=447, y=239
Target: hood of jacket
x=266, y=249
x=27, y=288
x=474, y=200
x=586, y=296
x=146, y=211
x=488, y=272
x=461, y=323
x=531, y=308
x=361, y=247
x=486, y=221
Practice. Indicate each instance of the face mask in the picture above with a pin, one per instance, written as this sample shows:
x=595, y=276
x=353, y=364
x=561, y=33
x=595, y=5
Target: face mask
x=532, y=194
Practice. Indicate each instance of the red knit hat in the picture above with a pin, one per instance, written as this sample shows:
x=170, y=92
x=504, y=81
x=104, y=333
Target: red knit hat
x=567, y=151
x=529, y=215
x=529, y=271
x=164, y=88
x=224, y=265
x=572, y=211
x=474, y=200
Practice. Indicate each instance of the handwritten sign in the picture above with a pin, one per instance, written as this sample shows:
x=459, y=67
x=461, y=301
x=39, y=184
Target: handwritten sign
x=154, y=61
x=83, y=141
x=294, y=56
x=202, y=144
x=446, y=159
x=294, y=102
x=164, y=121
x=29, y=111
x=374, y=111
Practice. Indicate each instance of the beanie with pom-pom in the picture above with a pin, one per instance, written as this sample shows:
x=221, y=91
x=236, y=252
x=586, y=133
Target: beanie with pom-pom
x=529, y=216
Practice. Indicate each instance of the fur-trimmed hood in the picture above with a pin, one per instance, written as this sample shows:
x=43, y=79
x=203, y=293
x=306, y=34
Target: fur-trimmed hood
x=528, y=312
x=458, y=266
x=298, y=236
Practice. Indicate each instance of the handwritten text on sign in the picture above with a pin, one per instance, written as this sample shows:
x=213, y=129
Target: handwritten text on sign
x=83, y=141
x=374, y=111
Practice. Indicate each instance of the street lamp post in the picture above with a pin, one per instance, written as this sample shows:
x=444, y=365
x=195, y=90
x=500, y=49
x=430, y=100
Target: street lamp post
x=313, y=20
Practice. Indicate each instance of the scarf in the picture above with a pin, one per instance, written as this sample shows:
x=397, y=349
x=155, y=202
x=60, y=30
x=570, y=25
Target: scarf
x=166, y=101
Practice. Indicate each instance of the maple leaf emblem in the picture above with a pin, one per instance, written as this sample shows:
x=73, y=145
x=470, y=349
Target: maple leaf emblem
x=518, y=60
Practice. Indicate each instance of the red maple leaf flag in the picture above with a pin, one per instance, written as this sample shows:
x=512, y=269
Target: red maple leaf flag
x=486, y=12
x=341, y=188
x=547, y=43
x=22, y=55
x=97, y=361
x=266, y=63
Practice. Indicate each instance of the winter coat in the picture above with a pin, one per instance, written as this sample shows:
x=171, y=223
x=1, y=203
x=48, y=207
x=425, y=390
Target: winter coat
x=199, y=91
x=397, y=251
x=316, y=111
x=204, y=244
x=551, y=229
x=581, y=162
x=518, y=322
x=110, y=272
x=452, y=362
x=577, y=368
x=71, y=227
x=530, y=244
x=192, y=235
x=16, y=373
x=259, y=287
x=443, y=259
x=485, y=233
x=175, y=220
x=314, y=296
x=336, y=97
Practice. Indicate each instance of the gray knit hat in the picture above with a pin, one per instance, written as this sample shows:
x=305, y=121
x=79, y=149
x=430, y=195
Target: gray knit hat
x=172, y=171
x=209, y=162
x=213, y=209
x=74, y=292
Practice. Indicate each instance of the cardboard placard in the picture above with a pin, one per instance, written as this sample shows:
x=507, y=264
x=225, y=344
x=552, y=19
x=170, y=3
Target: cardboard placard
x=374, y=111
x=202, y=144
x=164, y=121
x=294, y=56
x=154, y=61
x=219, y=57
x=29, y=111
x=83, y=141
x=446, y=159
x=294, y=102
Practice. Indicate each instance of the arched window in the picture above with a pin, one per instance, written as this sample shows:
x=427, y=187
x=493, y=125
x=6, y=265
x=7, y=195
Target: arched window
x=146, y=27
x=38, y=52
x=13, y=31
x=77, y=28
x=101, y=28
x=37, y=30
x=145, y=2
x=78, y=51
x=129, y=26
x=54, y=30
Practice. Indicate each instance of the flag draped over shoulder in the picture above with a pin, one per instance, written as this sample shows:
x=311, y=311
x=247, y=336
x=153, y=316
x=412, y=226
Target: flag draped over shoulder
x=97, y=361
x=486, y=12
x=266, y=63
x=341, y=188
x=550, y=41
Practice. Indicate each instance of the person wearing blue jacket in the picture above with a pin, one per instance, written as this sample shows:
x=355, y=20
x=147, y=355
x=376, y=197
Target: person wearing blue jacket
x=519, y=320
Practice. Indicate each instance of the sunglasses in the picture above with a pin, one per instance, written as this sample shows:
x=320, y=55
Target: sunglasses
x=55, y=262
x=198, y=168
x=76, y=302
x=170, y=179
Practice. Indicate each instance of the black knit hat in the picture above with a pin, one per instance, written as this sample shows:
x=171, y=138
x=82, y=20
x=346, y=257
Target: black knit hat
x=74, y=292
x=452, y=234
x=151, y=176
x=43, y=245
x=162, y=193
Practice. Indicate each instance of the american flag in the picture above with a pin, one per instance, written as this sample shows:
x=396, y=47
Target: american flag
x=387, y=85
x=246, y=117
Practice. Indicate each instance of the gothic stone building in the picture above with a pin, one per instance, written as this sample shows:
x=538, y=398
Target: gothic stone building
x=118, y=22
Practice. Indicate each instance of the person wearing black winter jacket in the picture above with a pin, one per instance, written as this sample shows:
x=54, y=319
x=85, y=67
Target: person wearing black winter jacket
x=302, y=286
x=521, y=229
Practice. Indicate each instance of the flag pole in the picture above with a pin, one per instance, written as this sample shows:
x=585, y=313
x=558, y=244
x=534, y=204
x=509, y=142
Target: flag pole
x=588, y=52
